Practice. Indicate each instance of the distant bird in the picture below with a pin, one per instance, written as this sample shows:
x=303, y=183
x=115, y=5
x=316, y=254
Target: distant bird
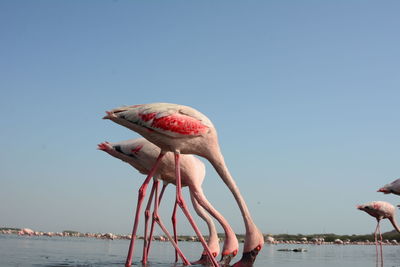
x=141, y=154
x=380, y=210
x=26, y=231
x=392, y=188
x=184, y=130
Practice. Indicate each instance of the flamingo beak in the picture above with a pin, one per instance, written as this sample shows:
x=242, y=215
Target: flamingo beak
x=226, y=259
x=359, y=207
x=248, y=258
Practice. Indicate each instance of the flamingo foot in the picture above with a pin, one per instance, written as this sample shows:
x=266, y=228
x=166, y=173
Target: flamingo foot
x=248, y=258
x=227, y=257
x=204, y=260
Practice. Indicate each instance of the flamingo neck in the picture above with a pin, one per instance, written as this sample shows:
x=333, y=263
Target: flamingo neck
x=217, y=160
x=213, y=238
x=394, y=223
x=229, y=233
x=213, y=241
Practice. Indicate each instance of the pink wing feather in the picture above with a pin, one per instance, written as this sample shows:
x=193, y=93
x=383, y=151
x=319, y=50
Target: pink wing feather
x=172, y=121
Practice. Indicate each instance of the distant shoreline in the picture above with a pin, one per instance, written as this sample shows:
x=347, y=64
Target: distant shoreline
x=390, y=238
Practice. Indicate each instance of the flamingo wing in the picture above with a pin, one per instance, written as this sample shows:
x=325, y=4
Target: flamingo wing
x=169, y=119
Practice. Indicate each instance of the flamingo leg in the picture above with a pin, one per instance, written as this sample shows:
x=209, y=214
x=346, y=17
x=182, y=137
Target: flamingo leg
x=183, y=206
x=157, y=219
x=230, y=236
x=173, y=219
x=142, y=193
x=173, y=223
x=146, y=220
x=162, y=193
x=376, y=238
x=213, y=236
x=380, y=242
x=152, y=219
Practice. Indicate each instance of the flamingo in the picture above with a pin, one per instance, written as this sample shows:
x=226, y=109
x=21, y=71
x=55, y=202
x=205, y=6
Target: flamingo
x=141, y=154
x=184, y=130
x=26, y=231
x=393, y=187
x=380, y=210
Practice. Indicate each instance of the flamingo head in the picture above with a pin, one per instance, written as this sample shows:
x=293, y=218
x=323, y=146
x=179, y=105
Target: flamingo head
x=204, y=260
x=384, y=190
x=248, y=258
x=373, y=208
x=365, y=207
x=227, y=257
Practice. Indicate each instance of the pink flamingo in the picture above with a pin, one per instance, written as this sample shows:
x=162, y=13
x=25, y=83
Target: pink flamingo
x=184, y=130
x=380, y=210
x=393, y=188
x=26, y=231
x=141, y=154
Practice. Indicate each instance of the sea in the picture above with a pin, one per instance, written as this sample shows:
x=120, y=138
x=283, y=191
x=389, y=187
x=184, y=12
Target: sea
x=44, y=251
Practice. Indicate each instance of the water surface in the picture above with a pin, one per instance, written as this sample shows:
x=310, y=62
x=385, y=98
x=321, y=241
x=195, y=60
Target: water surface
x=84, y=252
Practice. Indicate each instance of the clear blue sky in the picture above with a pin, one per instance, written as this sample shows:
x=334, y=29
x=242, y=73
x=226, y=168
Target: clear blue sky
x=305, y=96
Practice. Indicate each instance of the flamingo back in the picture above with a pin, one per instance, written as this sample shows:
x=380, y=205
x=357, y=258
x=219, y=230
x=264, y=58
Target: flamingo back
x=379, y=209
x=169, y=119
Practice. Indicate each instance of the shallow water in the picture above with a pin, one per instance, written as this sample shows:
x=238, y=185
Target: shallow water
x=84, y=252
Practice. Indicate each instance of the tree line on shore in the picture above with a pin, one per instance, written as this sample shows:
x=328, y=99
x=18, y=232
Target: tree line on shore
x=326, y=237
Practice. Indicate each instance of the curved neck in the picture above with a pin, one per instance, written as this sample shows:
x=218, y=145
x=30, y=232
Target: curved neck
x=213, y=238
x=198, y=194
x=213, y=235
x=394, y=223
x=217, y=160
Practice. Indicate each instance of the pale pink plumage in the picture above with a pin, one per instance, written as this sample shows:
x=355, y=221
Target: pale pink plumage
x=142, y=154
x=184, y=130
x=380, y=210
x=26, y=231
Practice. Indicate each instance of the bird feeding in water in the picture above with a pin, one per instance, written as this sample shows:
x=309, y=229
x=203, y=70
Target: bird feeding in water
x=184, y=130
x=141, y=154
x=380, y=210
